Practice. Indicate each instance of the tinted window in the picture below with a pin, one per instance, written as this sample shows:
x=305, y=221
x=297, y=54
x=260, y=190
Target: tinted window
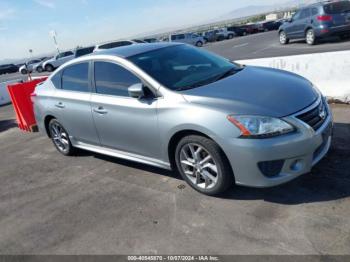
x=75, y=78
x=84, y=51
x=181, y=67
x=337, y=7
x=115, y=44
x=56, y=80
x=314, y=11
x=305, y=13
x=297, y=15
x=112, y=79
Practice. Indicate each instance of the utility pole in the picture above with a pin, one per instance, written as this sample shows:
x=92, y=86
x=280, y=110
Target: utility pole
x=54, y=36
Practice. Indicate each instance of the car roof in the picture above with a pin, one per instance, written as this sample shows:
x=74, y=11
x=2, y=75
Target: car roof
x=131, y=50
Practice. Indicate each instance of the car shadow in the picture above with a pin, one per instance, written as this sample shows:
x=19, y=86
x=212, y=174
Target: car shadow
x=7, y=124
x=328, y=40
x=329, y=180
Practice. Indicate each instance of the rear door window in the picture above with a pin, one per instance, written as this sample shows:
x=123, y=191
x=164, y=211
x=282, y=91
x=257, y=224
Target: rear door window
x=76, y=78
x=337, y=7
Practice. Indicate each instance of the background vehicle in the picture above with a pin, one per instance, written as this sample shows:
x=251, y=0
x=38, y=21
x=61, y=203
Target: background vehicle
x=114, y=45
x=252, y=28
x=224, y=33
x=212, y=133
x=138, y=41
x=188, y=38
x=269, y=26
x=28, y=67
x=317, y=21
x=239, y=30
x=210, y=36
x=39, y=66
x=8, y=69
x=83, y=51
x=58, y=60
x=150, y=40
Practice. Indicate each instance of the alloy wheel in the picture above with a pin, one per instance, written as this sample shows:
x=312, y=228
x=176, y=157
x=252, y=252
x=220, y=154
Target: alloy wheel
x=59, y=137
x=199, y=166
x=310, y=37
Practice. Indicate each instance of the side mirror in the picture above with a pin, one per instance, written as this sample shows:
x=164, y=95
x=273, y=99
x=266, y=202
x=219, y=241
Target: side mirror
x=136, y=91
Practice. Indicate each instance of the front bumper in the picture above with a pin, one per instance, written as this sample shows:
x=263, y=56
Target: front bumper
x=300, y=151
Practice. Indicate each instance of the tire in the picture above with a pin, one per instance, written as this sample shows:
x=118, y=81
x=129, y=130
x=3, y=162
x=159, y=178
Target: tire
x=39, y=69
x=310, y=37
x=230, y=36
x=284, y=40
x=199, y=44
x=24, y=71
x=203, y=177
x=60, y=138
x=49, y=68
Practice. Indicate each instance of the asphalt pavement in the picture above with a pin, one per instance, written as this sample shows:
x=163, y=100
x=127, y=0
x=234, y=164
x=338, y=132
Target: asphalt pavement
x=93, y=204
x=264, y=45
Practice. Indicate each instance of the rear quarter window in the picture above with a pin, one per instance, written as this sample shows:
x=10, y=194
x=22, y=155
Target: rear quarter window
x=56, y=80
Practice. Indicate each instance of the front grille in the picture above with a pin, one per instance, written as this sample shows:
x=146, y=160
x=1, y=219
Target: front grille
x=315, y=117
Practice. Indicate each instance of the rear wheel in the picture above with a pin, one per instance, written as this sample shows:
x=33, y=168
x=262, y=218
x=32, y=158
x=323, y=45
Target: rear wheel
x=203, y=165
x=283, y=38
x=310, y=37
x=230, y=36
x=60, y=138
x=49, y=68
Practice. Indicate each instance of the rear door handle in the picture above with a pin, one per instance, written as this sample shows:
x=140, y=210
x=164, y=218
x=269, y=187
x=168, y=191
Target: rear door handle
x=60, y=105
x=100, y=110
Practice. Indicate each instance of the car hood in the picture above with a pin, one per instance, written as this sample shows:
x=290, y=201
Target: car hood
x=257, y=91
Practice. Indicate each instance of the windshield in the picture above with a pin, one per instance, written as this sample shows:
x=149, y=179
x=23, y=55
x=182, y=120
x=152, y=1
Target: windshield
x=183, y=67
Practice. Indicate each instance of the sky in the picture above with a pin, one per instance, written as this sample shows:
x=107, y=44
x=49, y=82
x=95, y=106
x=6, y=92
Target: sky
x=25, y=24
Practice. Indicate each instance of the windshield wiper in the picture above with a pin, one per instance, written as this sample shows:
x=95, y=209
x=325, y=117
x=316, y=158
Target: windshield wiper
x=228, y=73
x=223, y=75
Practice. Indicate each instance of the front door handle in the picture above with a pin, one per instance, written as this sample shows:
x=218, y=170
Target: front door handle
x=60, y=105
x=100, y=110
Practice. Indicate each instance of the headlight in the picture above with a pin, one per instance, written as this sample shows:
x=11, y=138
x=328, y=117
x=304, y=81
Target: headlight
x=260, y=126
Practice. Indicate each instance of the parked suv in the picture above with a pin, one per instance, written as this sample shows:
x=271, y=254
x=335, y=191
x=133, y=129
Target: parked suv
x=58, y=60
x=188, y=38
x=317, y=21
x=172, y=105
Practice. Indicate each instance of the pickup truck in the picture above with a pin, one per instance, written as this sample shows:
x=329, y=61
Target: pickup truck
x=225, y=34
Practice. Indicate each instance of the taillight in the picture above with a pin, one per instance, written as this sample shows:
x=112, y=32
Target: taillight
x=324, y=18
x=32, y=95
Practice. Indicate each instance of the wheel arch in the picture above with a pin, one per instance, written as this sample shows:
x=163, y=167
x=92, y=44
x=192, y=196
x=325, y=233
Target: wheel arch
x=47, y=120
x=176, y=137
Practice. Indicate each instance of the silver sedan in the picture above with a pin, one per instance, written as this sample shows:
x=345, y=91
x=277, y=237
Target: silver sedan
x=175, y=106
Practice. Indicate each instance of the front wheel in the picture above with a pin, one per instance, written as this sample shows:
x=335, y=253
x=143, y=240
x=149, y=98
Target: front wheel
x=230, y=36
x=60, y=138
x=203, y=165
x=310, y=37
x=199, y=44
x=24, y=71
x=39, y=69
x=283, y=38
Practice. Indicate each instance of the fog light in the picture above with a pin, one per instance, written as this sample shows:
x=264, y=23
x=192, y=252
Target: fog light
x=271, y=168
x=297, y=165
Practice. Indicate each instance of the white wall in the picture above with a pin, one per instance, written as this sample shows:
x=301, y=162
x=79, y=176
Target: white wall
x=330, y=72
x=4, y=95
